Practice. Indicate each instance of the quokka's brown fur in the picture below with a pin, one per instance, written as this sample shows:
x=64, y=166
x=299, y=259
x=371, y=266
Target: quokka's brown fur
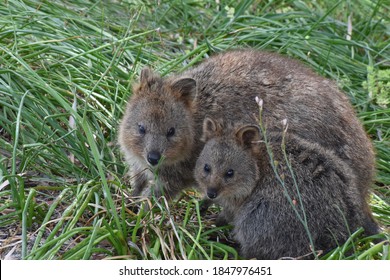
x=234, y=170
x=164, y=119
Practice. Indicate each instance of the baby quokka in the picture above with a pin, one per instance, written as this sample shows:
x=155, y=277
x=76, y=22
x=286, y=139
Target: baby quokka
x=279, y=206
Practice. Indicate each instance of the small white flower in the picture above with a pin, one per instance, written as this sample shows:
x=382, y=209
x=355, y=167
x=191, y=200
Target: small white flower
x=259, y=101
x=285, y=125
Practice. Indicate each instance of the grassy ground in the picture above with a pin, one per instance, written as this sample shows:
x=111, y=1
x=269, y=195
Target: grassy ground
x=66, y=69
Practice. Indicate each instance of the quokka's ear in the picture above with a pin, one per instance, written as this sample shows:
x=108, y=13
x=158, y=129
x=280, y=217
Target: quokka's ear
x=185, y=89
x=247, y=135
x=148, y=80
x=145, y=75
x=211, y=128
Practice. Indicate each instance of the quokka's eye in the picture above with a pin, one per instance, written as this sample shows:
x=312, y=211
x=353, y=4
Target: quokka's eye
x=207, y=168
x=141, y=129
x=229, y=173
x=171, y=132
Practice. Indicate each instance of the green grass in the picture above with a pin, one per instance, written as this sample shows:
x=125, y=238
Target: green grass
x=63, y=192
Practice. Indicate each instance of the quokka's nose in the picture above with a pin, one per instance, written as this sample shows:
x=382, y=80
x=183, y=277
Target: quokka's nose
x=212, y=193
x=154, y=157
